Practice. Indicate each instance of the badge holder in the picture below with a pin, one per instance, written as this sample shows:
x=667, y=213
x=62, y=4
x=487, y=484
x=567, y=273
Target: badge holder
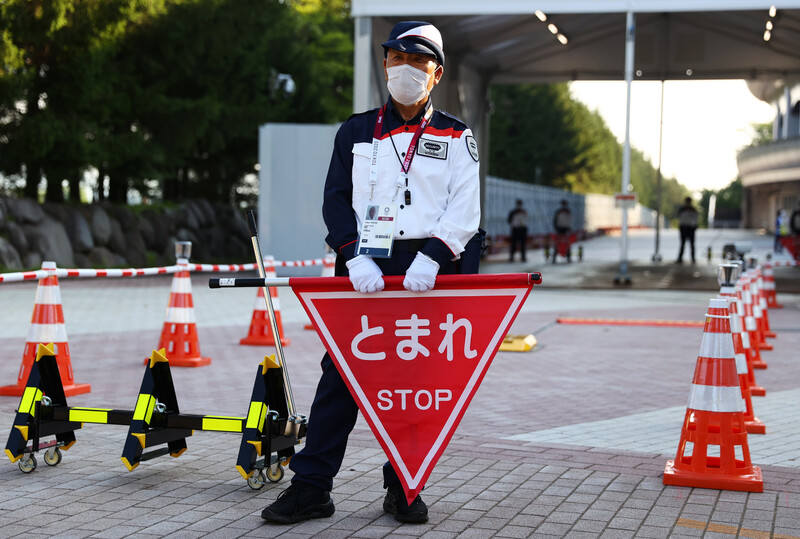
x=376, y=237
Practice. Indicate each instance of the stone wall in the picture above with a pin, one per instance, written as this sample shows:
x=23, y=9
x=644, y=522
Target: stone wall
x=107, y=236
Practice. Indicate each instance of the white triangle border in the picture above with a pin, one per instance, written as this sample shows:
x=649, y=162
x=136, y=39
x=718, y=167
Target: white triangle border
x=519, y=295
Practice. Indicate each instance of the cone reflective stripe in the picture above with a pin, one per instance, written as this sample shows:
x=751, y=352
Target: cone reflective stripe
x=714, y=417
x=179, y=335
x=260, y=332
x=47, y=326
x=769, y=288
x=753, y=425
x=328, y=270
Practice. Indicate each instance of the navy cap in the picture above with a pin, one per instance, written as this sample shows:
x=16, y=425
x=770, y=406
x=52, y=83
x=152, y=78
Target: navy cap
x=416, y=37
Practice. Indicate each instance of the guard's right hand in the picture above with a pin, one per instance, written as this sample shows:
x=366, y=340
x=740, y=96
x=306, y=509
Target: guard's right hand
x=365, y=274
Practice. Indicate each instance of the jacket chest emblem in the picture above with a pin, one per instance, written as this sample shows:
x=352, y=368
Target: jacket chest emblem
x=432, y=148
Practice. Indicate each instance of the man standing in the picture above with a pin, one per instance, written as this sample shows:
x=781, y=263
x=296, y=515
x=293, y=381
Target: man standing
x=420, y=167
x=562, y=223
x=562, y=219
x=687, y=224
x=518, y=219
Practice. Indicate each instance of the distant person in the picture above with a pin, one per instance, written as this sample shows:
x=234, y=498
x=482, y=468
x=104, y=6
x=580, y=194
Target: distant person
x=687, y=224
x=780, y=230
x=518, y=219
x=562, y=219
x=794, y=220
x=562, y=223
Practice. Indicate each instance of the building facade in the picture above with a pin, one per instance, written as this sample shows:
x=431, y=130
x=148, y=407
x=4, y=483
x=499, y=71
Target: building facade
x=770, y=172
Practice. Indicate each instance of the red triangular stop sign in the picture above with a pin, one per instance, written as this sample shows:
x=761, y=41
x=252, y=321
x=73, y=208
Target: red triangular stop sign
x=414, y=361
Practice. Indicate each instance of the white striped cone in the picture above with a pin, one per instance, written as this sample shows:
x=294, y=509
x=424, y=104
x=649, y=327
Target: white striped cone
x=47, y=326
x=755, y=389
x=714, y=417
x=260, y=332
x=752, y=423
x=179, y=334
x=766, y=331
x=328, y=270
x=750, y=324
x=759, y=308
x=769, y=288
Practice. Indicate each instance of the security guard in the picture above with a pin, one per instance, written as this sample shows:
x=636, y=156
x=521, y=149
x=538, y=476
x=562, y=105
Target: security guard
x=419, y=166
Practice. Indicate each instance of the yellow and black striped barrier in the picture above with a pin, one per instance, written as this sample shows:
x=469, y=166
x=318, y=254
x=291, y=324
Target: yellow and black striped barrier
x=155, y=425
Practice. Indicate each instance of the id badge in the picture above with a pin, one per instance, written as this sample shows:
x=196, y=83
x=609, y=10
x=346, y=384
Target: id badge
x=377, y=233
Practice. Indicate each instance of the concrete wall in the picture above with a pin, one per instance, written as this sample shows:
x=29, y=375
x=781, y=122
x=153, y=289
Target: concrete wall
x=294, y=161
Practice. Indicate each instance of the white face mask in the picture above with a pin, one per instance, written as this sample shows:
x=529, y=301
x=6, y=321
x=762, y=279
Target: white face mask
x=408, y=85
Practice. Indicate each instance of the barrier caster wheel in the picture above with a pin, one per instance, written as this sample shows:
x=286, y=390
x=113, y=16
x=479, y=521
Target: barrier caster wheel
x=275, y=475
x=257, y=481
x=27, y=464
x=52, y=456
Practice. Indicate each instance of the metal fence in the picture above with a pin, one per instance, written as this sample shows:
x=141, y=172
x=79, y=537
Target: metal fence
x=589, y=212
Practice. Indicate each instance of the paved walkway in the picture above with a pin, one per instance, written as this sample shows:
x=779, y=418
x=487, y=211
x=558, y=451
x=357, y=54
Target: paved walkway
x=568, y=440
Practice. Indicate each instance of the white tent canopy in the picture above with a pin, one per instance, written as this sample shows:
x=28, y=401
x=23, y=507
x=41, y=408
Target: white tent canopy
x=518, y=41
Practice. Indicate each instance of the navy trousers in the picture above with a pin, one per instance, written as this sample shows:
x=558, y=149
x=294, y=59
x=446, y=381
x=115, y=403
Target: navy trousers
x=333, y=413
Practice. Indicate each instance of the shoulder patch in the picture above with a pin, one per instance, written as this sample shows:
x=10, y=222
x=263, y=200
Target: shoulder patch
x=472, y=146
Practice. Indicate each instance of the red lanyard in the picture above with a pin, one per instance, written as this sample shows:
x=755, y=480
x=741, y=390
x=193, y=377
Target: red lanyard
x=423, y=123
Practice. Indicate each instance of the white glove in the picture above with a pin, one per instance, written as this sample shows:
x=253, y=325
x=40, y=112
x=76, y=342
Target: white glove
x=421, y=274
x=365, y=274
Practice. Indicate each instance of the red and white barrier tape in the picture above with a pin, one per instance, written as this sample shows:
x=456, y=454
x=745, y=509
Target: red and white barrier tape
x=138, y=272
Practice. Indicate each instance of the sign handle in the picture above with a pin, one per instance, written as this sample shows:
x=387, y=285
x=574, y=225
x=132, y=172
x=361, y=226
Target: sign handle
x=251, y=223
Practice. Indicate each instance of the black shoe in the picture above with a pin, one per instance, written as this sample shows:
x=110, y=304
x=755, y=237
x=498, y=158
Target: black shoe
x=297, y=503
x=395, y=504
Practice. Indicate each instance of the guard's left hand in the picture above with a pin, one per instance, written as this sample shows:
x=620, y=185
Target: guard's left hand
x=421, y=274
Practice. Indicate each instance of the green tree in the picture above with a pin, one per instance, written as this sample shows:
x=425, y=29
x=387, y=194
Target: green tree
x=532, y=136
x=762, y=133
x=54, y=85
x=205, y=75
x=540, y=134
x=165, y=96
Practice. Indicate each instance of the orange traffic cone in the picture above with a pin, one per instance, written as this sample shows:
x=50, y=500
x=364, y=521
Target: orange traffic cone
x=260, y=332
x=47, y=326
x=753, y=425
x=179, y=335
x=759, y=308
x=769, y=288
x=755, y=389
x=714, y=418
x=766, y=331
x=750, y=325
x=328, y=270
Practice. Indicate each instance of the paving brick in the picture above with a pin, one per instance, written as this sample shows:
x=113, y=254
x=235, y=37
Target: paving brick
x=513, y=531
x=486, y=484
x=650, y=532
x=593, y=526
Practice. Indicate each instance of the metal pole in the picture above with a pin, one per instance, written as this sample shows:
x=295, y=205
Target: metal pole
x=251, y=221
x=657, y=255
x=630, y=40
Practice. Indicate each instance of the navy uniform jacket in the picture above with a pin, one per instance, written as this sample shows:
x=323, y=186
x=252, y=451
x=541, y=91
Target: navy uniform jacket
x=443, y=181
